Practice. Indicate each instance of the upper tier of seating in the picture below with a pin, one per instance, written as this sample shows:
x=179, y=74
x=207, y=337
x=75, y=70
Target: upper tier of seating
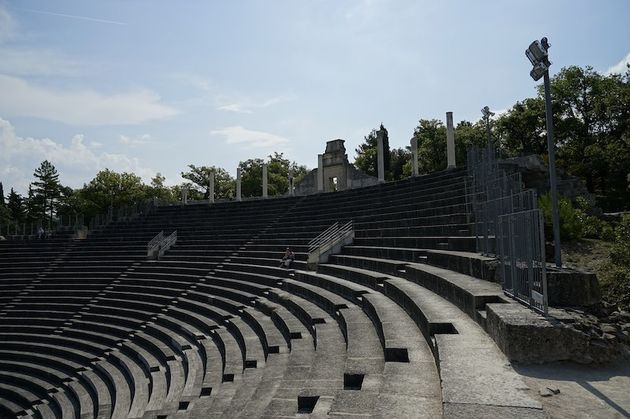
x=391, y=327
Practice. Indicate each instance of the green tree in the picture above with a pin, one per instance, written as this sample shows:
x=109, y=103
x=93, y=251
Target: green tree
x=109, y=188
x=400, y=164
x=431, y=137
x=277, y=172
x=159, y=190
x=224, y=185
x=592, y=128
x=522, y=129
x=366, y=158
x=46, y=189
x=15, y=207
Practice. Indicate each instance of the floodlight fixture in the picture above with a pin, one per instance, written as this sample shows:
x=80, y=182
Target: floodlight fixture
x=538, y=71
x=486, y=112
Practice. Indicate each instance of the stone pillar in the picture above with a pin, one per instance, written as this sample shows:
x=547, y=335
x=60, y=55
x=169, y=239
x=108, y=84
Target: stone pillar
x=414, y=156
x=264, y=181
x=185, y=195
x=380, y=156
x=320, y=173
x=211, y=188
x=291, y=189
x=238, y=184
x=450, y=141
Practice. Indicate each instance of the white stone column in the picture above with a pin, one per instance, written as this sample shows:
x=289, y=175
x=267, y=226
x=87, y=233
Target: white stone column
x=265, y=191
x=450, y=141
x=320, y=173
x=380, y=157
x=211, y=188
x=238, y=184
x=414, y=156
x=291, y=189
x=185, y=195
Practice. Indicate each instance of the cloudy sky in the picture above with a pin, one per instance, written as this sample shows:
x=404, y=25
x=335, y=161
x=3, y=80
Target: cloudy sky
x=152, y=85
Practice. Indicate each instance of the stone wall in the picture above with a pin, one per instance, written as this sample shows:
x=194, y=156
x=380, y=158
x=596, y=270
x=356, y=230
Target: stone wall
x=535, y=175
x=335, y=165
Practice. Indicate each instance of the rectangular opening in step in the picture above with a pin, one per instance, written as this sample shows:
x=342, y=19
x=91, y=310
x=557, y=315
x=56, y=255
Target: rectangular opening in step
x=319, y=320
x=295, y=335
x=251, y=363
x=183, y=406
x=443, y=329
x=396, y=355
x=227, y=378
x=205, y=391
x=306, y=404
x=340, y=306
x=274, y=349
x=352, y=381
x=161, y=417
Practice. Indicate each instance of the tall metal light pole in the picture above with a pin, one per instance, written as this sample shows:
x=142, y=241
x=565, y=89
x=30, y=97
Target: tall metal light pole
x=538, y=55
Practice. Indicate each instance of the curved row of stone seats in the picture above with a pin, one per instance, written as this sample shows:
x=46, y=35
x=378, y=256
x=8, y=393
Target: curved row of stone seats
x=463, y=352
x=337, y=307
x=44, y=349
x=226, y=264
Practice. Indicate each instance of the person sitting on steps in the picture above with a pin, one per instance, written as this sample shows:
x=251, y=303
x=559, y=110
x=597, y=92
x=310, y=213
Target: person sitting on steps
x=287, y=259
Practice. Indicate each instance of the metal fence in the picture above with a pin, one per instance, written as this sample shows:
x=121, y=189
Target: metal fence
x=508, y=224
x=71, y=223
x=522, y=253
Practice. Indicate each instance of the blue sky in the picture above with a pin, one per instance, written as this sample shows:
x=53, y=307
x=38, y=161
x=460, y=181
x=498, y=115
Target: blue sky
x=152, y=86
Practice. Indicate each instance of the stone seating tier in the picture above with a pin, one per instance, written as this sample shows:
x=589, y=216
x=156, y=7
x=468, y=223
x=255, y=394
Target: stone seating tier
x=216, y=329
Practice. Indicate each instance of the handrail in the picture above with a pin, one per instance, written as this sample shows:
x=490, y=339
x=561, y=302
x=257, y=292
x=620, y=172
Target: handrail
x=331, y=239
x=167, y=243
x=154, y=244
x=160, y=244
x=322, y=237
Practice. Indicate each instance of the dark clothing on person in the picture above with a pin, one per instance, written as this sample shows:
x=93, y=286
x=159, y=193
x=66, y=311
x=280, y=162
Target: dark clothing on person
x=287, y=259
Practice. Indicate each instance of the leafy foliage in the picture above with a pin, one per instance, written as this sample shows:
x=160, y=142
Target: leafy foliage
x=616, y=277
x=45, y=191
x=277, y=175
x=224, y=184
x=366, y=159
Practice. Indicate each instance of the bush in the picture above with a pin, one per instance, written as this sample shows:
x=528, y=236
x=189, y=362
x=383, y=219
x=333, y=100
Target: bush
x=575, y=223
x=571, y=223
x=616, y=277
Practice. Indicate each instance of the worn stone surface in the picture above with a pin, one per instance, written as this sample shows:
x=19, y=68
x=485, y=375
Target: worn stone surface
x=572, y=288
x=334, y=165
x=526, y=336
x=476, y=411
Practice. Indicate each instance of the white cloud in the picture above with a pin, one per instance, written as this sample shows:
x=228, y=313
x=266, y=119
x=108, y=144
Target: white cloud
x=621, y=67
x=233, y=107
x=247, y=105
x=85, y=107
x=250, y=138
x=135, y=141
x=78, y=17
x=7, y=25
x=77, y=162
x=36, y=62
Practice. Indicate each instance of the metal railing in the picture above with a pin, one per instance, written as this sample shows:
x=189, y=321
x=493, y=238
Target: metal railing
x=63, y=223
x=153, y=246
x=167, y=243
x=508, y=224
x=329, y=241
x=521, y=246
x=159, y=244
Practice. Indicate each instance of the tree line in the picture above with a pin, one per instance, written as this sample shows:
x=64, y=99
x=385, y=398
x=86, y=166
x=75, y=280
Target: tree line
x=48, y=201
x=591, y=113
x=592, y=130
